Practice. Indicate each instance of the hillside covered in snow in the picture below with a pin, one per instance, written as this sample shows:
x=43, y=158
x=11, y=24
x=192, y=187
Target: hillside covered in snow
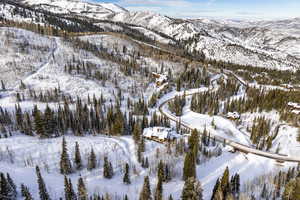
x=270, y=44
x=99, y=102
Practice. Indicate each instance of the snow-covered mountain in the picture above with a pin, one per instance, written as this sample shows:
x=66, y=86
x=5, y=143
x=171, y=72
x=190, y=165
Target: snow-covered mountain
x=270, y=44
x=94, y=10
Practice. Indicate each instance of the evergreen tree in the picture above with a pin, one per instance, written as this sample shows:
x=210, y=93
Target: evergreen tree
x=39, y=124
x=82, y=192
x=170, y=197
x=3, y=85
x=296, y=192
x=49, y=122
x=69, y=191
x=72, y=192
x=126, y=178
x=146, y=191
x=12, y=186
x=92, y=161
x=25, y=192
x=167, y=173
x=194, y=143
x=217, y=185
x=225, y=182
x=161, y=171
x=192, y=190
x=67, y=188
x=159, y=190
x=107, y=169
x=4, y=187
x=189, y=168
x=136, y=133
x=77, y=159
x=219, y=193
x=289, y=190
x=42, y=187
x=65, y=163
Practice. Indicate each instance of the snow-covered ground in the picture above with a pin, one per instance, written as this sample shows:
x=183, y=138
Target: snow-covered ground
x=26, y=152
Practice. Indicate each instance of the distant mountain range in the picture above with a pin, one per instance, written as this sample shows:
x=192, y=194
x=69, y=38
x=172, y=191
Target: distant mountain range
x=271, y=44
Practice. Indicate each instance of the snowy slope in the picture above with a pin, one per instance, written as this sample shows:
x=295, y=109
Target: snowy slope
x=97, y=10
x=270, y=44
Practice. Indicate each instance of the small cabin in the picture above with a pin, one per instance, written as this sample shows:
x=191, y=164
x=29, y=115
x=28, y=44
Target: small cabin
x=233, y=115
x=160, y=79
x=160, y=134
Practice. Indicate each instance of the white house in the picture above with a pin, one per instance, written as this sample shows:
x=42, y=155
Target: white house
x=294, y=105
x=160, y=134
x=233, y=115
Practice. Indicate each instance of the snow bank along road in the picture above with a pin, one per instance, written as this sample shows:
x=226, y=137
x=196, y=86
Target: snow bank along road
x=237, y=146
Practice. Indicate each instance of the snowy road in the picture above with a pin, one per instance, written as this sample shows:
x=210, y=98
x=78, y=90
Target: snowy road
x=237, y=146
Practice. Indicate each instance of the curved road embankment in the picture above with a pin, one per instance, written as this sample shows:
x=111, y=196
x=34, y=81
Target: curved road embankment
x=237, y=146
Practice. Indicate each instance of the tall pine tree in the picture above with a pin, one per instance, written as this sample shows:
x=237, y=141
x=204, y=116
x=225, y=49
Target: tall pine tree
x=192, y=190
x=126, y=178
x=82, y=192
x=42, y=187
x=65, y=163
x=146, y=191
x=92, y=161
x=77, y=159
x=189, y=168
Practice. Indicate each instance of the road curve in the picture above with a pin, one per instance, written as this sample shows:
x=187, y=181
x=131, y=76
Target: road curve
x=235, y=145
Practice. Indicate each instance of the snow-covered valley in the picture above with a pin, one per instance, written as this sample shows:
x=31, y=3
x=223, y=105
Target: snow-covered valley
x=96, y=75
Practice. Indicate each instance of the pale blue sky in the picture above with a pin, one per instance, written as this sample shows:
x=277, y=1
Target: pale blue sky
x=233, y=9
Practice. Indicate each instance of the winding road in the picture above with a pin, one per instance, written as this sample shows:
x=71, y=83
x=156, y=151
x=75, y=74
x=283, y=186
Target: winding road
x=235, y=145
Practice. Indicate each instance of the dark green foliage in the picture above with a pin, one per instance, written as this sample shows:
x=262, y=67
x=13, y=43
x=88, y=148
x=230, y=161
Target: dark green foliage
x=140, y=107
x=193, y=78
x=50, y=123
x=140, y=149
x=42, y=187
x=225, y=182
x=216, y=187
x=206, y=102
x=296, y=192
x=3, y=85
x=82, y=192
x=92, y=160
x=264, y=192
x=25, y=192
x=77, y=159
x=145, y=193
x=161, y=171
x=5, y=189
x=126, y=178
x=192, y=190
x=107, y=169
x=194, y=144
x=189, y=168
x=65, y=163
x=136, y=132
x=260, y=133
x=177, y=105
x=39, y=124
x=12, y=186
x=159, y=190
x=69, y=191
x=153, y=100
